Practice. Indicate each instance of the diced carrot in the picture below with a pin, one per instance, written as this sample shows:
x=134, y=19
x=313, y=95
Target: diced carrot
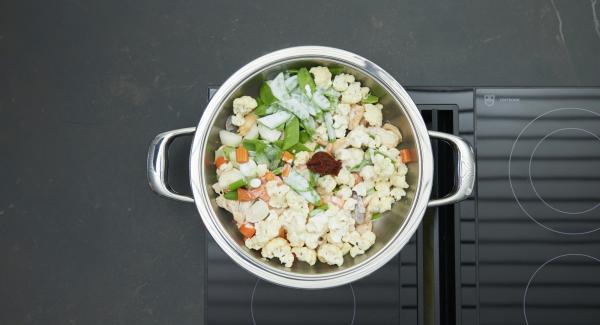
x=244, y=195
x=269, y=176
x=248, y=230
x=288, y=157
x=407, y=155
x=220, y=161
x=241, y=154
x=286, y=170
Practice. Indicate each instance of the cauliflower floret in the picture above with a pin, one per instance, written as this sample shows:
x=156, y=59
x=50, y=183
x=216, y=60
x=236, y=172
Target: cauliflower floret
x=265, y=231
x=345, y=177
x=296, y=202
x=362, y=187
x=238, y=120
x=318, y=224
x=399, y=181
x=322, y=76
x=364, y=91
x=277, y=194
x=217, y=188
x=367, y=172
x=330, y=254
x=261, y=169
x=383, y=167
x=301, y=158
x=345, y=248
x=230, y=176
x=359, y=137
x=382, y=188
x=305, y=254
x=280, y=249
x=340, y=125
x=380, y=204
x=350, y=157
x=344, y=192
x=244, y=105
x=402, y=169
x=339, y=225
x=397, y=193
x=326, y=184
x=373, y=114
x=385, y=137
x=366, y=240
x=341, y=81
x=352, y=94
x=320, y=134
x=343, y=109
x=350, y=204
x=257, y=212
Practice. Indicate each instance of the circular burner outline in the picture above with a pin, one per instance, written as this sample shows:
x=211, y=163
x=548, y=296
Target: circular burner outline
x=531, y=179
x=541, y=267
x=510, y=173
x=258, y=281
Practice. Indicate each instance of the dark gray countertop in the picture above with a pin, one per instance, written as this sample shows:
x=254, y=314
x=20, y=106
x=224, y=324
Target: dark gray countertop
x=87, y=85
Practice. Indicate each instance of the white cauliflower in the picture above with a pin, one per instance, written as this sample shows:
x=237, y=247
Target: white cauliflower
x=397, y=193
x=367, y=172
x=359, y=137
x=265, y=231
x=345, y=248
x=277, y=194
x=385, y=137
x=382, y=188
x=341, y=81
x=238, y=120
x=339, y=225
x=345, y=177
x=279, y=248
x=383, y=167
x=363, y=187
x=320, y=134
x=230, y=176
x=364, y=242
x=344, y=192
x=364, y=91
x=380, y=204
x=326, y=184
x=330, y=254
x=305, y=254
x=373, y=114
x=352, y=94
x=343, y=109
x=340, y=124
x=301, y=158
x=402, y=169
x=217, y=188
x=399, y=181
x=296, y=202
x=244, y=105
x=350, y=157
x=257, y=212
x=350, y=204
x=322, y=76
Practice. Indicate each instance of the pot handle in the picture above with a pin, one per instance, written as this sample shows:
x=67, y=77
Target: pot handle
x=465, y=169
x=157, y=163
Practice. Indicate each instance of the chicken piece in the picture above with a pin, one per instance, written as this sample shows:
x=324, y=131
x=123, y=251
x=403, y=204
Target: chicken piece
x=356, y=114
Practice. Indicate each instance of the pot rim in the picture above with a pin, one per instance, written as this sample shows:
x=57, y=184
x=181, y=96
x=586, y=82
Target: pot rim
x=335, y=278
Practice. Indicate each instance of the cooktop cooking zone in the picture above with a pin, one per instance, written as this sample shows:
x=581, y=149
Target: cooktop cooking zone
x=524, y=249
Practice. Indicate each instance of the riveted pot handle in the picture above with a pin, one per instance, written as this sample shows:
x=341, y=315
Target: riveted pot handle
x=157, y=164
x=465, y=170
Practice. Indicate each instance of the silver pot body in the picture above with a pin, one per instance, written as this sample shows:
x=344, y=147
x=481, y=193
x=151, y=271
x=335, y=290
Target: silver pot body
x=393, y=230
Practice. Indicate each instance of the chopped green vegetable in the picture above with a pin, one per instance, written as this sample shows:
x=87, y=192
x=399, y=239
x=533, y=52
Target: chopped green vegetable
x=370, y=99
x=303, y=137
x=227, y=151
x=237, y=184
x=292, y=71
x=335, y=70
x=296, y=181
x=362, y=164
x=266, y=95
x=329, y=125
x=261, y=158
x=300, y=147
x=291, y=134
x=263, y=110
x=370, y=191
x=280, y=128
x=277, y=171
x=312, y=179
x=304, y=78
x=231, y=195
x=375, y=216
x=311, y=196
x=254, y=145
x=274, y=120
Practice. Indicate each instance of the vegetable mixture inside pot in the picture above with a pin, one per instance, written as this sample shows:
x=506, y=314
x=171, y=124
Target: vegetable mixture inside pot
x=307, y=167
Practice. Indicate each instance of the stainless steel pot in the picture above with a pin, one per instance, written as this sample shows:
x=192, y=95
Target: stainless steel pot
x=393, y=230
